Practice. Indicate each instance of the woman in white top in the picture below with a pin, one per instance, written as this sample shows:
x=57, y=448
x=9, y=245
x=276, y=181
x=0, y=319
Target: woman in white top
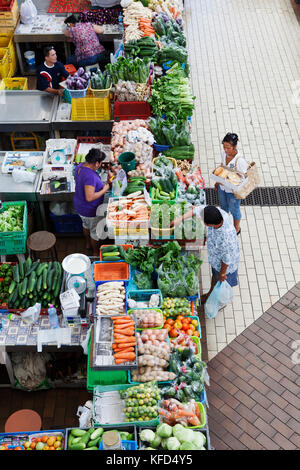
x=231, y=158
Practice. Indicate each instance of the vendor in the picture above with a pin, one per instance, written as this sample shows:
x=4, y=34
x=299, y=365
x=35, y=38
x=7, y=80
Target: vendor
x=231, y=158
x=222, y=245
x=89, y=194
x=88, y=50
x=51, y=73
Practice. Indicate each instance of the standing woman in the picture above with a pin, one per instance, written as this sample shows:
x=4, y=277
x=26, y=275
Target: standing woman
x=89, y=194
x=232, y=159
x=88, y=50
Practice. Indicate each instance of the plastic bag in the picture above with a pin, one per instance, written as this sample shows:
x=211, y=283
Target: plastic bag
x=85, y=414
x=23, y=176
x=28, y=12
x=31, y=315
x=220, y=296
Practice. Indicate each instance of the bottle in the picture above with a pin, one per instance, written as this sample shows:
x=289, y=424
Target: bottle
x=12, y=316
x=121, y=26
x=53, y=317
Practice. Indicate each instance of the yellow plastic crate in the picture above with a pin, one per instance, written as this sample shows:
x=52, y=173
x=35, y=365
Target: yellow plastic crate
x=10, y=83
x=5, y=62
x=5, y=39
x=7, y=29
x=9, y=18
x=101, y=93
x=91, y=109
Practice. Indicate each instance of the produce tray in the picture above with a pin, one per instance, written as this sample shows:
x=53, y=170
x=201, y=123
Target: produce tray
x=128, y=428
x=4, y=63
x=105, y=271
x=125, y=366
x=192, y=318
x=109, y=388
x=197, y=341
x=143, y=296
x=145, y=311
x=170, y=201
x=97, y=283
x=168, y=158
x=125, y=247
x=101, y=93
x=12, y=243
x=91, y=109
x=203, y=430
x=94, y=377
x=23, y=436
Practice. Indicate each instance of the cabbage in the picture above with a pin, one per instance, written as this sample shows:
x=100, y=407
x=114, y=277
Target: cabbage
x=183, y=434
x=173, y=443
x=199, y=439
x=164, y=430
x=147, y=435
x=188, y=446
x=156, y=442
x=164, y=443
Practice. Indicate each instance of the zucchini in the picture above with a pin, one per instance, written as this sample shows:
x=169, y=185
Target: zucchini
x=16, y=275
x=12, y=287
x=21, y=270
x=96, y=433
x=108, y=249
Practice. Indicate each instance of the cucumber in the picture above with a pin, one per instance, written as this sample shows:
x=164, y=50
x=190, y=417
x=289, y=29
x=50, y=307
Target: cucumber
x=31, y=282
x=45, y=274
x=108, y=249
x=113, y=253
x=57, y=288
x=78, y=446
x=55, y=279
x=77, y=432
x=16, y=275
x=14, y=297
x=23, y=287
x=112, y=258
x=94, y=442
x=9, y=300
x=96, y=434
x=70, y=440
x=39, y=283
x=85, y=439
x=58, y=267
x=12, y=287
x=50, y=277
x=91, y=448
x=27, y=266
x=33, y=267
x=41, y=268
x=21, y=270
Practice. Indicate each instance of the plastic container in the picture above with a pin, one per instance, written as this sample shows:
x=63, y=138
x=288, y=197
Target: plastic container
x=12, y=83
x=203, y=417
x=9, y=13
x=129, y=110
x=12, y=243
x=70, y=68
x=130, y=312
x=91, y=109
x=68, y=223
x=160, y=148
x=98, y=283
x=30, y=57
x=53, y=317
x=127, y=161
x=4, y=63
x=125, y=247
x=192, y=318
x=101, y=93
x=126, y=445
x=144, y=296
x=174, y=162
x=111, y=271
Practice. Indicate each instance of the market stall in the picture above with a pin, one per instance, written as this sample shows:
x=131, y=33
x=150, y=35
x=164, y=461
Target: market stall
x=133, y=309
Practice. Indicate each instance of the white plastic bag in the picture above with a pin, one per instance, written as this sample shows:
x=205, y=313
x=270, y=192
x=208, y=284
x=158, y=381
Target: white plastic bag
x=28, y=12
x=85, y=414
x=221, y=295
x=226, y=294
x=23, y=176
x=31, y=315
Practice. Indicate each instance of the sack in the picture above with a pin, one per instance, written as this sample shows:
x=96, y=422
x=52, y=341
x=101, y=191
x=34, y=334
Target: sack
x=221, y=295
x=252, y=183
x=28, y=12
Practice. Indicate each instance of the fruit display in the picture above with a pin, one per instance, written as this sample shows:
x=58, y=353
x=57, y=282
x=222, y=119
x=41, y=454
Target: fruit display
x=45, y=442
x=35, y=281
x=189, y=325
x=141, y=402
x=6, y=276
x=81, y=439
x=176, y=306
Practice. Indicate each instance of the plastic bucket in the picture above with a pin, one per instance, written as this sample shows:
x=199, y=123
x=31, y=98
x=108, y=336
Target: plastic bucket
x=30, y=57
x=127, y=160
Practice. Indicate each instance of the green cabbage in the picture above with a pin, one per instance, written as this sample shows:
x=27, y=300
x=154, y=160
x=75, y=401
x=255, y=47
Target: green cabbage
x=173, y=443
x=199, y=439
x=183, y=434
x=188, y=446
x=164, y=430
x=156, y=442
x=147, y=435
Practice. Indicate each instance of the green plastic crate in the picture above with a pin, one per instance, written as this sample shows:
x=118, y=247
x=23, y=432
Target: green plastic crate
x=110, y=388
x=13, y=243
x=107, y=377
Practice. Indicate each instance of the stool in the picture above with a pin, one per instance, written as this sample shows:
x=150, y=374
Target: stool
x=23, y=420
x=42, y=241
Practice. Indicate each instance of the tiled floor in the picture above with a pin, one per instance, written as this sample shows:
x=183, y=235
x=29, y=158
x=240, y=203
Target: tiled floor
x=253, y=396
x=244, y=62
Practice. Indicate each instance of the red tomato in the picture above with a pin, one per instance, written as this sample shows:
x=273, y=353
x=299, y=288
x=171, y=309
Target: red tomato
x=167, y=327
x=194, y=322
x=180, y=318
x=192, y=327
x=18, y=448
x=190, y=332
x=178, y=325
x=185, y=326
x=174, y=333
x=170, y=321
x=196, y=333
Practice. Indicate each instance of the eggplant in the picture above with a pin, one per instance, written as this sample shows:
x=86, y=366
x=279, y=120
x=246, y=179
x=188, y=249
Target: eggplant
x=80, y=71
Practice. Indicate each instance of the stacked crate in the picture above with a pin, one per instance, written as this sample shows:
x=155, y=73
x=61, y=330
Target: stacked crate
x=9, y=16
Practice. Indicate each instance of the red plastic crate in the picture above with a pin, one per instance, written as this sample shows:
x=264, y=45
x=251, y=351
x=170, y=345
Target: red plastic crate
x=6, y=5
x=129, y=110
x=92, y=140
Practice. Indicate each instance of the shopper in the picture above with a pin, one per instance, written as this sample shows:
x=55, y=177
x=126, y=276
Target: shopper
x=231, y=158
x=89, y=194
x=51, y=73
x=222, y=245
x=88, y=50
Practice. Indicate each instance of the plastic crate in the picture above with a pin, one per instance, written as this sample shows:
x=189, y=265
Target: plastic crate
x=91, y=109
x=168, y=158
x=143, y=445
x=192, y=318
x=129, y=110
x=4, y=62
x=142, y=224
x=170, y=201
x=125, y=247
x=68, y=223
x=160, y=148
x=203, y=417
x=126, y=445
x=109, y=388
x=111, y=377
x=9, y=14
x=111, y=271
x=101, y=93
x=78, y=93
x=12, y=243
x=11, y=83
x=144, y=296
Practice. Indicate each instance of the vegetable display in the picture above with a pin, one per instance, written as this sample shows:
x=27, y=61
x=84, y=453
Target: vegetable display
x=112, y=253
x=170, y=133
x=135, y=183
x=131, y=91
x=181, y=152
x=124, y=339
x=132, y=15
x=78, y=81
x=100, y=80
x=11, y=219
x=148, y=318
x=189, y=325
x=173, y=412
x=177, y=437
x=141, y=402
x=176, y=306
x=164, y=182
x=127, y=209
x=81, y=439
x=144, y=47
x=6, y=276
x=42, y=441
x=137, y=70
x=110, y=298
x=35, y=282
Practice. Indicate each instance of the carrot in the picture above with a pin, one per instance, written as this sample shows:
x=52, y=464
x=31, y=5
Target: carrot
x=125, y=349
x=125, y=341
x=126, y=332
x=121, y=361
x=120, y=317
x=124, y=324
x=123, y=355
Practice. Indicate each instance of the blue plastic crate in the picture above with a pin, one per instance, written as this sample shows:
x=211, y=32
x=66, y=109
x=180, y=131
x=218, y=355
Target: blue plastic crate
x=126, y=445
x=104, y=282
x=160, y=148
x=68, y=223
x=143, y=296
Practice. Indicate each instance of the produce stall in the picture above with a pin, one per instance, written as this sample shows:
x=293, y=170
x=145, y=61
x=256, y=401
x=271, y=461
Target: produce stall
x=134, y=309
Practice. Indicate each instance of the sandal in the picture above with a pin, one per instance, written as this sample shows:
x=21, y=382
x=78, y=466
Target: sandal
x=238, y=232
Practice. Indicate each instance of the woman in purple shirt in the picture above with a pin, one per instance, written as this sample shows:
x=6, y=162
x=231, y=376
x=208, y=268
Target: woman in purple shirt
x=89, y=194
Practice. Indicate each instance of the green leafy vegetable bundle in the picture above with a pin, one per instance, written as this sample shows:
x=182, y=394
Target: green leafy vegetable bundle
x=144, y=47
x=136, y=70
x=169, y=133
x=11, y=220
x=100, y=81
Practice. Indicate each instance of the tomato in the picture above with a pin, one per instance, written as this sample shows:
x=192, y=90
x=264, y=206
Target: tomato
x=18, y=448
x=185, y=326
x=192, y=327
x=178, y=325
x=187, y=321
x=167, y=327
x=38, y=439
x=194, y=322
x=174, y=333
x=190, y=332
x=44, y=438
x=32, y=445
x=196, y=333
x=170, y=321
x=180, y=318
